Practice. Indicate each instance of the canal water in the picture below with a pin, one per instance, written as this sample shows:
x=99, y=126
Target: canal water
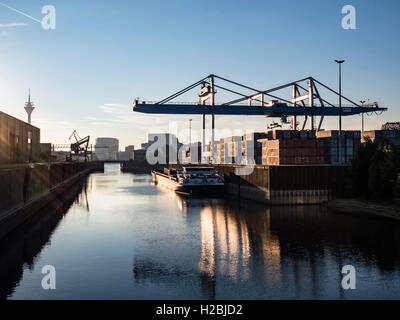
x=118, y=236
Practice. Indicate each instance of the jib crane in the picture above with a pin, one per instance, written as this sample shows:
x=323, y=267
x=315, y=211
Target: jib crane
x=81, y=146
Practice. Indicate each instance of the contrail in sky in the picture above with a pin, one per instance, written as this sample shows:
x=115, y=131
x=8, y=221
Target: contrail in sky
x=20, y=12
x=10, y=25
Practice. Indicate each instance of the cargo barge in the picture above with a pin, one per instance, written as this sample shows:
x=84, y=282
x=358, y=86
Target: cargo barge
x=189, y=179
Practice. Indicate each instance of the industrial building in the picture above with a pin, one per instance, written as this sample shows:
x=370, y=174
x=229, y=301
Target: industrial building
x=106, y=149
x=45, y=152
x=128, y=154
x=19, y=141
x=139, y=155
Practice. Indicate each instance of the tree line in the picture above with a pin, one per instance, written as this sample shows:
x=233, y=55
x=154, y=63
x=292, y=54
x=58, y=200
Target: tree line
x=375, y=172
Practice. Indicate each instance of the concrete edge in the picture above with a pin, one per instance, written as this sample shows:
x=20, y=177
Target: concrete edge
x=15, y=216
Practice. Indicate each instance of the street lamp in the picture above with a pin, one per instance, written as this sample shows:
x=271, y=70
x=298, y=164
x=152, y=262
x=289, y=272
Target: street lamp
x=190, y=140
x=190, y=132
x=339, y=62
x=362, y=116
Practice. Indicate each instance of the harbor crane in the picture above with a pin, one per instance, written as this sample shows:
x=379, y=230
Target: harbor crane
x=305, y=101
x=80, y=147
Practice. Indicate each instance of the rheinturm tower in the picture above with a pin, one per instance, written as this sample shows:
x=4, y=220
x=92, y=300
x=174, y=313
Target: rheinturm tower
x=29, y=107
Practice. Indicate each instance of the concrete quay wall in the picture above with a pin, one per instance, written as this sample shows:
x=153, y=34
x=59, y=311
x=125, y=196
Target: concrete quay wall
x=26, y=188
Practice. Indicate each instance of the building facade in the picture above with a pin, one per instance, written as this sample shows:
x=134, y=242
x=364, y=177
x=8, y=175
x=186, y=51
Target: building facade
x=106, y=149
x=19, y=141
x=127, y=154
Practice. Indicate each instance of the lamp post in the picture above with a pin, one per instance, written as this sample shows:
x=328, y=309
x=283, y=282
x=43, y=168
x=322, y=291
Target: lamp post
x=190, y=140
x=339, y=62
x=190, y=132
x=362, y=116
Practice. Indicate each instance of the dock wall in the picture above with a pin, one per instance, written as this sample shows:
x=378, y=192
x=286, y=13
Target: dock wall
x=135, y=166
x=26, y=188
x=283, y=185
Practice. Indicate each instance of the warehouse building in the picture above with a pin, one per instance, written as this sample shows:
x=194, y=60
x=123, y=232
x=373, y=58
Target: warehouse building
x=106, y=149
x=19, y=141
x=128, y=154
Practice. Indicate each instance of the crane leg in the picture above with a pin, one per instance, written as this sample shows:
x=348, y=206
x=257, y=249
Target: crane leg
x=203, y=147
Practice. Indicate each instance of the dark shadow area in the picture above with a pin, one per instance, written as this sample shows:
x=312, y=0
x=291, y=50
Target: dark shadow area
x=21, y=247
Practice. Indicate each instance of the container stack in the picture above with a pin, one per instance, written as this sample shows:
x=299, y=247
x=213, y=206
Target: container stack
x=290, y=134
x=252, y=147
x=217, y=151
x=350, y=141
x=292, y=151
x=230, y=149
x=393, y=136
x=235, y=149
x=289, y=147
x=353, y=142
x=222, y=150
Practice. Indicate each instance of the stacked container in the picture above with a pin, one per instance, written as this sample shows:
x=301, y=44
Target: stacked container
x=292, y=151
x=350, y=141
x=288, y=147
x=380, y=135
x=252, y=148
x=230, y=149
x=222, y=150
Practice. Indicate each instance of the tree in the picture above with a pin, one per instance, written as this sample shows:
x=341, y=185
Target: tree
x=375, y=171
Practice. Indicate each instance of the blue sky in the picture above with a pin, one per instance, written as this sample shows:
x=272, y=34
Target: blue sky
x=85, y=74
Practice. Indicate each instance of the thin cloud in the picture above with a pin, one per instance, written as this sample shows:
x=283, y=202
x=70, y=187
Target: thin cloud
x=121, y=115
x=115, y=109
x=12, y=25
x=43, y=122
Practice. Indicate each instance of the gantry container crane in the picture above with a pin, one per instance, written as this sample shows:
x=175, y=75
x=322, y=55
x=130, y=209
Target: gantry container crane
x=305, y=101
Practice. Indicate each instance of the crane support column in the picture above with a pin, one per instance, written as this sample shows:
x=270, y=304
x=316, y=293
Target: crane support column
x=212, y=103
x=294, y=96
x=311, y=102
x=203, y=142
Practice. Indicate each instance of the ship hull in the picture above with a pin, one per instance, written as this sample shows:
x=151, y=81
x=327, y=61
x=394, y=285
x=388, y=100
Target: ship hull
x=171, y=183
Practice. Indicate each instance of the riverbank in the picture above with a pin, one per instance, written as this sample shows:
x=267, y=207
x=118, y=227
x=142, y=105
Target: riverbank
x=364, y=207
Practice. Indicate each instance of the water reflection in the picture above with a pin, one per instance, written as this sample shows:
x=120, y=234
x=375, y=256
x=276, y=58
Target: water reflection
x=238, y=245
x=243, y=241
x=140, y=240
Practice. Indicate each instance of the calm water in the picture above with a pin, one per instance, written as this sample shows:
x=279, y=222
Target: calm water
x=120, y=237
